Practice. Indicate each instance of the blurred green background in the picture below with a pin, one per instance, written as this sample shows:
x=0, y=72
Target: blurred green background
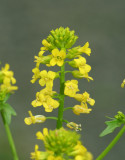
x=23, y=25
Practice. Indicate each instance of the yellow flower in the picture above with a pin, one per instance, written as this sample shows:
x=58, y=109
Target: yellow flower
x=47, y=78
x=38, y=155
x=81, y=64
x=35, y=155
x=57, y=57
x=36, y=75
x=81, y=152
x=85, y=98
x=39, y=58
x=71, y=87
x=123, y=83
x=85, y=49
x=34, y=119
x=8, y=88
x=41, y=135
x=42, y=59
x=51, y=104
x=45, y=99
x=8, y=75
x=80, y=149
x=41, y=99
x=47, y=91
x=77, y=74
x=86, y=156
x=7, y=79
x=77, y=109
x=72, y=125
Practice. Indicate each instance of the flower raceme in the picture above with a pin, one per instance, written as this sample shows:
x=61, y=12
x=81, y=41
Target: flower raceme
x=58, y=45
x=57, y=51
x=7, y=80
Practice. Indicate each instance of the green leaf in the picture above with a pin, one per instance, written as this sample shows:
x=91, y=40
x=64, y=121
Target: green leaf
x=6, y=98
x=8, y=111
x=111, y=125
x=1, y=106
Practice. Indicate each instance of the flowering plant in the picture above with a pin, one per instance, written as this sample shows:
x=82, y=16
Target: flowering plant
x=63, y=143
x=7, y=87
x=57, y=51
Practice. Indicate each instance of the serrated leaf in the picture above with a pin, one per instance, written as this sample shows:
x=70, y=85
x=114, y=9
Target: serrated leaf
x=111, y=125
x=8, y=111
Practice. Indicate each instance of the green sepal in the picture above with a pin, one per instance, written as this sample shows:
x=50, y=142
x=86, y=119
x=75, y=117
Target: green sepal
x=7, y=111
x=111, y=126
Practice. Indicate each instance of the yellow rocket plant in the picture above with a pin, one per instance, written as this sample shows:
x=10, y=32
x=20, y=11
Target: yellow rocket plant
x=57, y=50
x=7, y=87
x=63, y=143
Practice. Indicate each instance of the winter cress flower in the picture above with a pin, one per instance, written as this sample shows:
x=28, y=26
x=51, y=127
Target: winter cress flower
x=57, y=50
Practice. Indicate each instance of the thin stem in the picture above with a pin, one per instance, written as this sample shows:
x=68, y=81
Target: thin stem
x=67, y=108
x=110, y=146
x=10, y=138
x=66, y=62
x=65, y=121
x=68, y=71
x=55, y=118
x=61, y=98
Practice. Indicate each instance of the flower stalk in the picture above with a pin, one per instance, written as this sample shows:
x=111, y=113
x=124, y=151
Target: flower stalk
x=111, y=145
x=61, y=98
x=10, y=138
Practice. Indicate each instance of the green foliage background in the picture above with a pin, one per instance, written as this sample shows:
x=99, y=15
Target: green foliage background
x=23, y=25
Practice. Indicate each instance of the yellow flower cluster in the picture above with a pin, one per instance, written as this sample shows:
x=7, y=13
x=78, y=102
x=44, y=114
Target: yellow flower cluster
x=7, y=80
x=44, y=97
x=71, y=87
x=60, y=144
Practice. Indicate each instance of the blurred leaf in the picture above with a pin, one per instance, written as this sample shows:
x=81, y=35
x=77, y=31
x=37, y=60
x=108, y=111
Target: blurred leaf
x=1, y=106
x=111, y=125
x=8, y=111
x=6, y=98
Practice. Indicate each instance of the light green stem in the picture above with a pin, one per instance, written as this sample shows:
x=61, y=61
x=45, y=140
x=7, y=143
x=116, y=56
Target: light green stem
x=68, y=108
x=61, y=98
x=10, y=139
x=110, y=146
x=55, y=118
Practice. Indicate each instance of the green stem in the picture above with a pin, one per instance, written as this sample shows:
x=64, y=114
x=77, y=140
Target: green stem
x=110, y=146
x=65, y=121
x=55, y=118
x=68, y=71
x=67, y=108
x=61, y=96
x=10, y=139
